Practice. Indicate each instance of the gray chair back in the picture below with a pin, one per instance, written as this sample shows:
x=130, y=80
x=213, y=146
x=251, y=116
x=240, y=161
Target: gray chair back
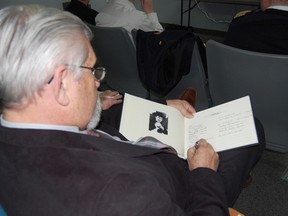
x=116, y=52
x=234, y=73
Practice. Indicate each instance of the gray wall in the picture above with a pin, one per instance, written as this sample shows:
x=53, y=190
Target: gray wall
x=169, y=11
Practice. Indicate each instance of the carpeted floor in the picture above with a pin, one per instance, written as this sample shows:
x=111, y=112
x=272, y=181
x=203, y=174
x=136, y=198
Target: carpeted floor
x=268, y=193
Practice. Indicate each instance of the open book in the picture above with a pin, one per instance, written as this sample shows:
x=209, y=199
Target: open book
x=226, y=126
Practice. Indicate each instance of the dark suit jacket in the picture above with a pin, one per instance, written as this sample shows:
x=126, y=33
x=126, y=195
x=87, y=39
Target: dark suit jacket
x=82, y=11
x=260, y=31
x=61, y=173
x=45, y=172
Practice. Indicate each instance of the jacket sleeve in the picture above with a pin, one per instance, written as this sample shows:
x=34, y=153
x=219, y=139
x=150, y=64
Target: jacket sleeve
x=141, y=194
x=206, y=193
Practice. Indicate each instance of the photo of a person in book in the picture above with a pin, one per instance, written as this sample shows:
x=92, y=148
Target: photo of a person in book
x=158, y=122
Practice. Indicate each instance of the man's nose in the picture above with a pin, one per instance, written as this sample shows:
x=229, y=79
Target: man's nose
x=97, y=83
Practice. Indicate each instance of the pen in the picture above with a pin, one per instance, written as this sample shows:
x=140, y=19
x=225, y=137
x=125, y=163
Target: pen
x=197, y=144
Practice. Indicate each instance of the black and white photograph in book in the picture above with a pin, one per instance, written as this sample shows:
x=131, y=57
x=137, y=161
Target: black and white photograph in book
x=158, y=122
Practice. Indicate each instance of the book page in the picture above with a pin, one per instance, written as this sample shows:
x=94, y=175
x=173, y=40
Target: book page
x=141, y=117
x=226, y=126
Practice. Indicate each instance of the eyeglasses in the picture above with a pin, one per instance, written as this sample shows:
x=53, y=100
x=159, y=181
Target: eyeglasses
x=99, y=72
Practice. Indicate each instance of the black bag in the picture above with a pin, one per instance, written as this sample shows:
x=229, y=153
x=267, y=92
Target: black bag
x=163, y=58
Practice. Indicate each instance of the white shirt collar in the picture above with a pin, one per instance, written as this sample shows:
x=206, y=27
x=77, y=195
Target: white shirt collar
x=279, y=7
x=9, y=124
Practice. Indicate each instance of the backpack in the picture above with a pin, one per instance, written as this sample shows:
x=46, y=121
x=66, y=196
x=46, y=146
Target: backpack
x=163, y=58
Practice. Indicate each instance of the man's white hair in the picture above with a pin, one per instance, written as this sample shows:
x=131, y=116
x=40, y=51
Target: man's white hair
x=34, y=40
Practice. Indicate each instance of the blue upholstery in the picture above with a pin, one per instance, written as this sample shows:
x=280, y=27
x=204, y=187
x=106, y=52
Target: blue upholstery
x=2, y=212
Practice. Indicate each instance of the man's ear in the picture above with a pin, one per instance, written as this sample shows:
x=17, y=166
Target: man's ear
x=60, y=82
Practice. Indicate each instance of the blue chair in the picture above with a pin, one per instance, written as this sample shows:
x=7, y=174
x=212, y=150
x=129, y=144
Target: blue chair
x=2, y=212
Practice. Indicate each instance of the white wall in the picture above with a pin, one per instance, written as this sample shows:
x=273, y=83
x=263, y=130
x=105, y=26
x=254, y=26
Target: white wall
x=169, y=11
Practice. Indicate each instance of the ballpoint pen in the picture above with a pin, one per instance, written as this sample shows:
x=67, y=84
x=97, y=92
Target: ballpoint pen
x=197, y=144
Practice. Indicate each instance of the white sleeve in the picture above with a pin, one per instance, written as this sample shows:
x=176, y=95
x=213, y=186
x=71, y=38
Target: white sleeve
x=150, y=22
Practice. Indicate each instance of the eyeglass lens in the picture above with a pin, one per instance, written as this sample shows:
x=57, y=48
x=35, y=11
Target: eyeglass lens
x=99, y=73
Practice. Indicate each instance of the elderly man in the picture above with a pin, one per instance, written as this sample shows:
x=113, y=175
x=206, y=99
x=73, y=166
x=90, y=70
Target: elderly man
x=50, y=164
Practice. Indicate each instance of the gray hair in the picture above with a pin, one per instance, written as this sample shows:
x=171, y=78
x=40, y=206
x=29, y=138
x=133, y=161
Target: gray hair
x=34, y=40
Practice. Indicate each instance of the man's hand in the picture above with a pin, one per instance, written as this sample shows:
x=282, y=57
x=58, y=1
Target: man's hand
x=183, y=106
x=202, y=155
x=147, y=6
x=109, y=98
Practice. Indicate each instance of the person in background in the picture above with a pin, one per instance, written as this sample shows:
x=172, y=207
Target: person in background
x=264, y=30
x=52, y=155
x=81, y=9
x=122, y=13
